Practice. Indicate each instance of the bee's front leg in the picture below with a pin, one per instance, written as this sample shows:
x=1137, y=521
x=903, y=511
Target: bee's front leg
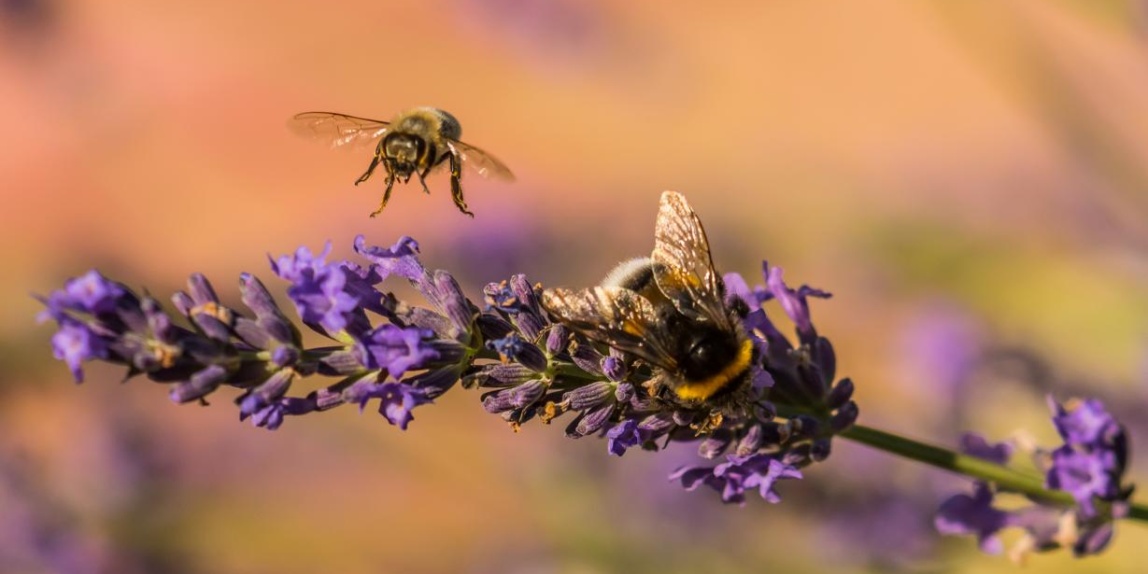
x=422, y=180
x=386, y=194
x=370, y=169
x=456, y=184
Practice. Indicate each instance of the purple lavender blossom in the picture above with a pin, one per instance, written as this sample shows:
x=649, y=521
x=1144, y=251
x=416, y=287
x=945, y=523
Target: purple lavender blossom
x=262, y=354
x=396, y=350
x=400, y=259
x=318, y=289
x=1089, y=466
x=75, y=343
x=89, y=293
x=1087, y=424
x=529, y=366
x=396, y=400
x=738, y=474
x=978, y=446
x=1092, y=460
x=974, y=514
x=623, y=436
x=794, y=302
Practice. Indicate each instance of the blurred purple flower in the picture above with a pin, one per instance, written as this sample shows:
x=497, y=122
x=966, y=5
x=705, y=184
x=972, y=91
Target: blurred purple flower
x=1089, y=465
x=965, y=514
x=75, y=343
x=978, y=446
x=941, y=347
x=1092, y=460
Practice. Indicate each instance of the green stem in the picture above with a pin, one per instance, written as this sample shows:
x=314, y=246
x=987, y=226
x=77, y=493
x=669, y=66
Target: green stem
x=1002, y=476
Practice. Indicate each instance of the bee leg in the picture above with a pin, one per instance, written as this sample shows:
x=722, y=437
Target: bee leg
x=370, y=169
x=422, y=180
x=386, y=194
x=456, y=185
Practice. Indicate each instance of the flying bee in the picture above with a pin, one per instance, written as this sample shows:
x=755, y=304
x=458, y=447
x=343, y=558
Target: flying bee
x=667, y=310
x=414, y=142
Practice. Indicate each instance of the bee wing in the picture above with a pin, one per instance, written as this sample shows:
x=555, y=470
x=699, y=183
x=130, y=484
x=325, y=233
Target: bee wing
x=683, y=268
x=615, y=316
x=480, y=161
x=338, y=130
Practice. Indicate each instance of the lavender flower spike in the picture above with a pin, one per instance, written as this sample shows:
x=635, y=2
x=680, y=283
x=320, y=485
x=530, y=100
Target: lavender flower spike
x=1089, y=466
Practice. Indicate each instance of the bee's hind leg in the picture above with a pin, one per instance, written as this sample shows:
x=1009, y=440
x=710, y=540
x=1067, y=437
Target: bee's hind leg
x=370, y=170
x=456, y=184
x=386, y=194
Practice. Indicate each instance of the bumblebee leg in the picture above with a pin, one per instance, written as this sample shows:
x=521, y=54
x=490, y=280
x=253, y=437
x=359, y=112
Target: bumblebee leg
x=386, y=195
x=422, y=180
x=370, y=169
x=456, y=185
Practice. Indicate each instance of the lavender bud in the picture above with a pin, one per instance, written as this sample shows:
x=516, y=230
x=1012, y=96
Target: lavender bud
x=751, y=441
x=452, y=301
x=514, y=397
x=587, y=358
x=714, y=445
x=657, y=424
x=211, y=325
x=529, y=319
x=589, y=396
x=624, y=393
x=199, y=385
x=492, y=326
x=844, y=417
x=527, y=393
x=557, y=339
x=590, y=422
x=826, y=359
x=614, y=368
x=183, y=303
x=268, y=315
x=820, y=449
x=501, y=375
x=841, y=392
x=285, y=356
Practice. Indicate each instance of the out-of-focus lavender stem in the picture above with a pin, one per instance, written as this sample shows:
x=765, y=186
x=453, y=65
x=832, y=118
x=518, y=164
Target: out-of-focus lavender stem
x=953, y=461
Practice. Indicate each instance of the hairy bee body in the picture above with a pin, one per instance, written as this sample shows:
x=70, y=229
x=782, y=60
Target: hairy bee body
x=667, y=310
x=414, y=142
x=417, y=142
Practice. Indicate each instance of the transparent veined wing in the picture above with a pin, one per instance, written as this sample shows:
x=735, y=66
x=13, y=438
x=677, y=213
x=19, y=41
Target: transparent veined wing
x=338, y=130
x=615, y=316
x=684, y=270
x=482, y=162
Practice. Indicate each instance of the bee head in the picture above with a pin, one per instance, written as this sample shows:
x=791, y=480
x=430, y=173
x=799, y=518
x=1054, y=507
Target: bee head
x=403, y=152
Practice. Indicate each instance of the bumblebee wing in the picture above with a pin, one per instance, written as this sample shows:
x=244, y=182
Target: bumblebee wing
x=480, y=161
x=683, y=268
x=338, y=130
x=614, y=316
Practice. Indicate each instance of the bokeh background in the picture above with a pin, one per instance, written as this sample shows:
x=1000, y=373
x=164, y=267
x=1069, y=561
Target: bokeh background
x=970, y=180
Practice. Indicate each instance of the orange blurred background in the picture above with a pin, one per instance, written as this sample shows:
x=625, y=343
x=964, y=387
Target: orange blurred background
x=977, y=166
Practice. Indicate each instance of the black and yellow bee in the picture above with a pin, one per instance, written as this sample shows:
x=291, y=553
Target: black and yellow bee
x=414, y=142
x=667, y=310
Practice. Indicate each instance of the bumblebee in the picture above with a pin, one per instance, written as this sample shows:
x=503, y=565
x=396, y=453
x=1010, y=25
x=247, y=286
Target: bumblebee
x=414, y=142
x=667, y=310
